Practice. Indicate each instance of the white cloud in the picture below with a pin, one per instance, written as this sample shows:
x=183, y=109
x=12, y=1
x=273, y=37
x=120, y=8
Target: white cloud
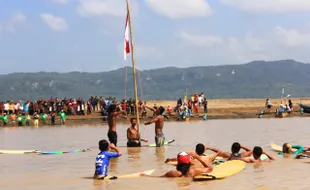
x=57, y=24
x=16, y=20
x=90, y=8
x=201, y=40
x=176, y=9
x=279, y=43
x=269, y=6
x=61, y=1
x=292, y=37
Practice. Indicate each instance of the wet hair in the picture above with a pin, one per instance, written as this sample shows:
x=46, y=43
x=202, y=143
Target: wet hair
x=111, y=109
x=257, y=152
x=131, y=119
x=200, y=149
x=235, y=147
x=103, y=145
x=161, y=109
x=286, y=148
x=183, y=168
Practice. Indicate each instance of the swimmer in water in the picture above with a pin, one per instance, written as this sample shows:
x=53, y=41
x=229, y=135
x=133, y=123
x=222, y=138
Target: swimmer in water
x=133, y=136
x=112, y=114
x=159, y=125
x=288, y=149
x=199, y=150
x=257, y=152
x=184, y=169
x=103, y=158
x=235, y=149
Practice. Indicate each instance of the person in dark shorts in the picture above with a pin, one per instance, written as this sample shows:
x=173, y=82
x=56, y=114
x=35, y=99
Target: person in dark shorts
x=112, y=114
x=133, y=136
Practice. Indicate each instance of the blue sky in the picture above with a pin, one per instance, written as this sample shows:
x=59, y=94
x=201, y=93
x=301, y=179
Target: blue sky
x=87, y=35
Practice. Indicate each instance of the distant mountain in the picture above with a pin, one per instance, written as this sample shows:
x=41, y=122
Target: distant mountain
x=257, y=79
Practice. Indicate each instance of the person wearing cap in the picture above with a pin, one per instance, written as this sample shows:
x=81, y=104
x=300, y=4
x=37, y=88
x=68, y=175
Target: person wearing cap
x=184, y=169
x=159, y=125
x=199, y=150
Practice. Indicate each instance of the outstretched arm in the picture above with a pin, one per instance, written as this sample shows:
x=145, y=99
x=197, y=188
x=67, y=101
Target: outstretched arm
x=152, y=121
x=120, y=112
x=150, y=108
x=212, y=149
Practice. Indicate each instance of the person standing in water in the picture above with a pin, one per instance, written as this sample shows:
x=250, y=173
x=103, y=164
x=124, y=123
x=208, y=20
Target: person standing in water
x=112, y=114
x=133, y=136
x=159, y=125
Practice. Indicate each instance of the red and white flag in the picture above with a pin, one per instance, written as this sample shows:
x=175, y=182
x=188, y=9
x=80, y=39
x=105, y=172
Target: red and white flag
x=126, y=39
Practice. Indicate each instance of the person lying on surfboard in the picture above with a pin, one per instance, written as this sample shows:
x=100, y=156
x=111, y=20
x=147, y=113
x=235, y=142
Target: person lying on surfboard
x=103, y=158
x=112, y=114
x=133, y=136
x=159, y=125
x=288, y=149
x=199, y=150
x=257, y=152
x=184, y=169
x=235, y=149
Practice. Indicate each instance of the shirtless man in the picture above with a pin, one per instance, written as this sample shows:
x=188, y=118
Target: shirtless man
x=184, y=169
x=235, y=149
x=112, y=114
x=257, y=152
x=199, y=150
x=159, y=124
x=133, y=136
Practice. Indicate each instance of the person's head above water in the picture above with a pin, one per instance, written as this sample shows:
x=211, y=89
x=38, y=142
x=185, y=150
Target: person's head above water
x=257, y=152
x=184, y=160
x=235, y=148
x=286, y=148
x=103, y=145
x=200, y=149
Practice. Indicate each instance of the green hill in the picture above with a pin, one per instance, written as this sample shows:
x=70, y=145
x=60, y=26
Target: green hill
x=258, y=79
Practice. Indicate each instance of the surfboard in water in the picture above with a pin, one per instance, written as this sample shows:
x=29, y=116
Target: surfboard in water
x=19, y=151
x=126, y=176
x=165, y=144
x=63, y=152
x=222, y=170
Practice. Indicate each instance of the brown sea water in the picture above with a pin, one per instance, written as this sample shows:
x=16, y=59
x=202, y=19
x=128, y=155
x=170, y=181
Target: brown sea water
x=68, y=171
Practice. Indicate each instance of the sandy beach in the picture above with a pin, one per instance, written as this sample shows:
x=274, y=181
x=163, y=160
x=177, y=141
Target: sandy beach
x=217, y=109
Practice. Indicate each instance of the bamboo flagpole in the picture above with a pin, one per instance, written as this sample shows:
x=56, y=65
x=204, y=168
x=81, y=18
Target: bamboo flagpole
x=128, y=22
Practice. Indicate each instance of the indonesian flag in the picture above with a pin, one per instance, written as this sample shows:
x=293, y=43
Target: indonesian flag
x=126, y=39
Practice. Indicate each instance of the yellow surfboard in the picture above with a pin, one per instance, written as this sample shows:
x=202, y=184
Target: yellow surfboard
x=278, y=148
x=221, y=171
x=125, y=176
x=174, y=163
x=19, y=151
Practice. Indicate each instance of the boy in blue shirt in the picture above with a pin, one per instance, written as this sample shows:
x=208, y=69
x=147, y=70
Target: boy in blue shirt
x=103, y=158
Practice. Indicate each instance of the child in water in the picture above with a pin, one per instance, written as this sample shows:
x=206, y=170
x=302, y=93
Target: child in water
x=103, y=158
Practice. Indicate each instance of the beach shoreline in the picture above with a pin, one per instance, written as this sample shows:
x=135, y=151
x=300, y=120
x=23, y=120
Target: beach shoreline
x=217, y=109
